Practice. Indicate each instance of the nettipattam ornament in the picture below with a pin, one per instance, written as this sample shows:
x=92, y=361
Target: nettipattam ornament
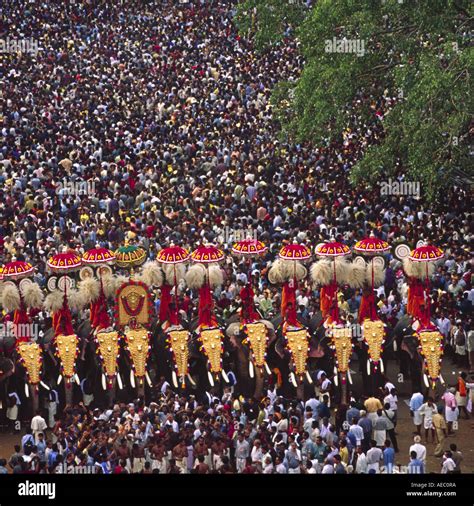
x=297, y=342
x=138, y=345
x=431, y=348
x=374, y=336
x=108, y=349
x=341, y=338
x=67, y=350
x=133, y=304
x=31, y=357
x=211, y=345
x=178, y=341
x=257, y=339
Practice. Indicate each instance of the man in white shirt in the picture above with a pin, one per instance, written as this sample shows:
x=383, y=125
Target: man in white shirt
x=357, y=431
x=361, y=464
x=328, y=468
x=448, y=465
x=280, y=467
x=419, y=449
x=38, y=424
x=428, y=409
x=374, y=456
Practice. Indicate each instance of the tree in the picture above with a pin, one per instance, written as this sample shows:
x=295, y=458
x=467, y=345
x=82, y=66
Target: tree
x=357, y=51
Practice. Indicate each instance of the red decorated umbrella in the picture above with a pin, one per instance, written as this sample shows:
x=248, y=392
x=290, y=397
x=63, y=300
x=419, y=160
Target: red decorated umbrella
x=17, y=270
x=64, y=262
x=172, y=255
x=248, y=248
x=427, y=253
x=332, y=250
x=295, y=252
x=98, y=256
x=207, y=254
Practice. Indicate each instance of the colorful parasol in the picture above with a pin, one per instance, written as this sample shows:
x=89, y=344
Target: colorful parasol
x=130, y=256
x=173, y=255
x=332, y=249
x=64, y=262
x=426, y=254
x=371, y=246
x=98, y=256
x=249, y=247
x=17, y=270
x=295, y=252
x=207, y=254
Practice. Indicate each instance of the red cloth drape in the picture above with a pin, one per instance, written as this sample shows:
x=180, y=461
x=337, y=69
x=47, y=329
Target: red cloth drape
x=165, y=302
x=205, y=314
x=327, y=301
x=288, y=303
x=62, y=320
x=249, y=312
x=367, y=308
x=22, y=323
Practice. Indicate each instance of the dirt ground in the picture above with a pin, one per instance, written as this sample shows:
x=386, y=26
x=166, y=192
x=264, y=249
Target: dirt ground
x=463, y=436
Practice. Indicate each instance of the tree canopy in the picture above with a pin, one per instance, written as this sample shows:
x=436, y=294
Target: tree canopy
x=356, y=51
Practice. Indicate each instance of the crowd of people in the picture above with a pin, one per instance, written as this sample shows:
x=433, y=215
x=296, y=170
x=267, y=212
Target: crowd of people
x=177, y=434
x=151, y=123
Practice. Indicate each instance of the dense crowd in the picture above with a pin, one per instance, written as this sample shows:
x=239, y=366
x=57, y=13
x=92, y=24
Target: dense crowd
x=151, y=123
x=179, y=435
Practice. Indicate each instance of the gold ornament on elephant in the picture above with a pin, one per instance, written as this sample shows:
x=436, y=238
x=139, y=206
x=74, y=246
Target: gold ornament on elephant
x=178, y=341
x=138, y=346
x=133, y=304
x=257, y=337
x=297, y=342
x=431, y=347
x=211, y=340
x=31, y=358
x=374, y=336
x=108, y=347
x=342, y=344
x=66, y=347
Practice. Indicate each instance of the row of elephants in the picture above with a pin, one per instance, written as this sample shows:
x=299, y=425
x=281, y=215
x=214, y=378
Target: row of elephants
x=401, y=345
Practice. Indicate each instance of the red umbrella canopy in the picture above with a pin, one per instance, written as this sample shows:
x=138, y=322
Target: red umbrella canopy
x=17, y=270
x=207, y=254
x=249, y=247
x=63, y=262
x=295, y=252
x=173, y=255
x=371, y=246
x=332, y=249
x=97, y=256
x=426, y=254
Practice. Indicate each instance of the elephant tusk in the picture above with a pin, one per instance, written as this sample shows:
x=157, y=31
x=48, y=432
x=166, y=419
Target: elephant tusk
x=104, y=383
x=293, y=379
x=425, y=380
x=336, y=379
x=349, y=376
x=224, y=375
x=441, y=379
x=174, y=379
x=381, y=366
x=368, y=367
x=76, y=379
x=267, y=369
x=119, y=381
x=211, y=379
x=309, y=378
x=251, y=371
x=27, y=393
x=44, y=385
x=132, y=378
x=395, y=345
x=60, y=378
x=148, y=379
x=191, y=380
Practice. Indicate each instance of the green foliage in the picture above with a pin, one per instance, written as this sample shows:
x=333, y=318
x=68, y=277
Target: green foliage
x=415, y=51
